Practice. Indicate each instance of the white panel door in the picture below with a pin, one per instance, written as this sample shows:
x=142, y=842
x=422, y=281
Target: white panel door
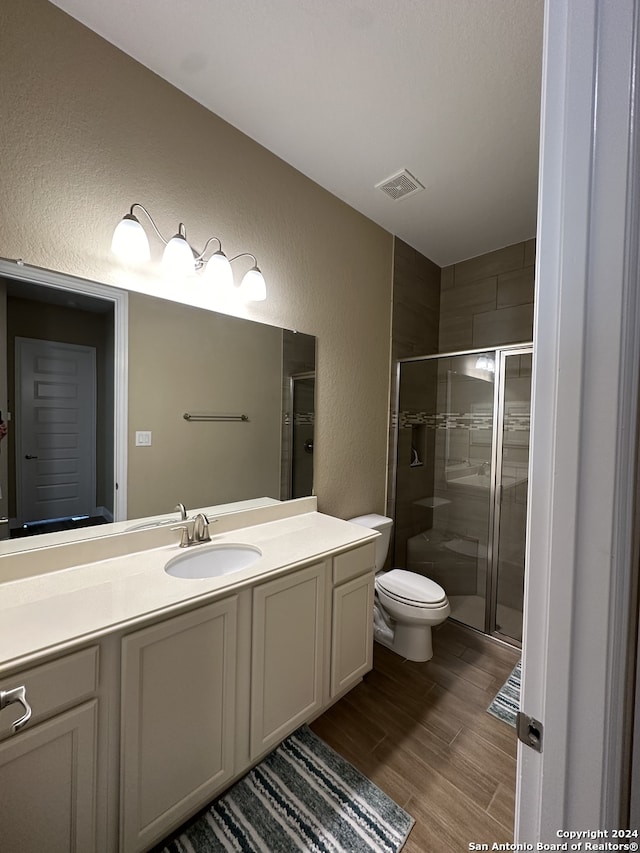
x=55, y=429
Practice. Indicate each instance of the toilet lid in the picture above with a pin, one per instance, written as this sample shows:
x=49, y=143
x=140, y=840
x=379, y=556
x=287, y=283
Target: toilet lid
x=411, y=587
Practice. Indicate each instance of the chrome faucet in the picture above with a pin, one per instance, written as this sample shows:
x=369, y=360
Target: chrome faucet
x=182, y=510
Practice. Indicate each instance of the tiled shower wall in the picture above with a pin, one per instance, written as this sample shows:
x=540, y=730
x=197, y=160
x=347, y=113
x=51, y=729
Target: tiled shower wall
x=484, y=301
x=488, y=300
x=416, y=313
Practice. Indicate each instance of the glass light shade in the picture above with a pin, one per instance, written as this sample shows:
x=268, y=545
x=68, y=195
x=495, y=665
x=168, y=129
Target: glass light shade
x=219, y=273
x=130, y=242
x=253, y=287
x=177, y=258
x=483, y=362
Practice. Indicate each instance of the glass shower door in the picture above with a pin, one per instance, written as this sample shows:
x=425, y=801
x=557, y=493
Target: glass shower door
x=462, y=478
x=444, y=484
x=512, y=468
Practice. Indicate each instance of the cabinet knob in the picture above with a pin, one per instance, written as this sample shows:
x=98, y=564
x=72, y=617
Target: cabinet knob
x=18, y=694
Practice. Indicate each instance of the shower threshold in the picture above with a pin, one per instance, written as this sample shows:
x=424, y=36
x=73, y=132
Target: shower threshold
x=470, y=611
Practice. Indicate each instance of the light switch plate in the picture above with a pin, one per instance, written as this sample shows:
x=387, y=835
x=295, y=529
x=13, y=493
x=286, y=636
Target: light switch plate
x=143, y=438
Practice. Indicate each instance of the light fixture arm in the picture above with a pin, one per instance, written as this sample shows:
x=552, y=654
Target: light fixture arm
x=206, y=246
x=182, y=232
x=150, y=218
x=245, y=255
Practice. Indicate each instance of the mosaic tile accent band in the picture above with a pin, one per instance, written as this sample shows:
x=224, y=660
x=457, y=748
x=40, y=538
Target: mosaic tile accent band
x=515, y=422
x=300, y=418
x=304, y=418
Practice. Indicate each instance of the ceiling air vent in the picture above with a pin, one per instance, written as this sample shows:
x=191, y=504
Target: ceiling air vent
x=400, y=185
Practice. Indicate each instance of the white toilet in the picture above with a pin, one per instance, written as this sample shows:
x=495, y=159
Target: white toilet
x=407, y=604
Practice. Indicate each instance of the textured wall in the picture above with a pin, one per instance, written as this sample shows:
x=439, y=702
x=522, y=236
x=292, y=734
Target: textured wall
x=86, y=131
x=488, y=300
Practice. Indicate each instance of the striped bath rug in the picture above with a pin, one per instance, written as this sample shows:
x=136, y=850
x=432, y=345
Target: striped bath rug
x=302, y=797
x=507, y=703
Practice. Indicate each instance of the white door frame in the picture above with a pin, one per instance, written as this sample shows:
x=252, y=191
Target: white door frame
x=585, y=396
x=47, y=278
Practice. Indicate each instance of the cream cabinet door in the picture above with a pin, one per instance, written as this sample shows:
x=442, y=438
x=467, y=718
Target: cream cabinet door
x=287, y=654
x=351, y=632
x=178, y=706
x=48, y=785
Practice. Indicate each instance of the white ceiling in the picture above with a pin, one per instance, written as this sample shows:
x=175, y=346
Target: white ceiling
x=351, y=92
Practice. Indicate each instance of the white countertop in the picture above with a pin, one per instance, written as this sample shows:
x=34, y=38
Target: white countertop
x=100, y=531
x=59, y=609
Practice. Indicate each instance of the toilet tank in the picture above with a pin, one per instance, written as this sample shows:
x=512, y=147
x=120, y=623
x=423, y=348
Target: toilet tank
x=383, y=525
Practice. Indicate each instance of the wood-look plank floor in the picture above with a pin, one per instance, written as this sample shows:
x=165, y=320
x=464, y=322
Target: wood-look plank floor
x=422, y=733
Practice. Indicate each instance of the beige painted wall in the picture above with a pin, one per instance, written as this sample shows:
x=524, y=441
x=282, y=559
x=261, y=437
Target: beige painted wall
x=175, y=366
x=86, y=131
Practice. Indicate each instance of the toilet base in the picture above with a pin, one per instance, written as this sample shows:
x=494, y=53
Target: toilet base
x=413, y=642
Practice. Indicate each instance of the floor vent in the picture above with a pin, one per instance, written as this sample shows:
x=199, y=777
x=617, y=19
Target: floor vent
x=400, y=185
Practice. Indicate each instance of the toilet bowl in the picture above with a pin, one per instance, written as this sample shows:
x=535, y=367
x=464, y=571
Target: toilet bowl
x=407, y=605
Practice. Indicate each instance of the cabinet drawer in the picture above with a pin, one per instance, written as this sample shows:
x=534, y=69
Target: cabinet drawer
x=354, y=563
x=52, y=687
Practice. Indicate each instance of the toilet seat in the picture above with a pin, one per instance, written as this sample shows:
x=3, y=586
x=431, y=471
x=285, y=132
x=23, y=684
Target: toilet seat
x=410, y=588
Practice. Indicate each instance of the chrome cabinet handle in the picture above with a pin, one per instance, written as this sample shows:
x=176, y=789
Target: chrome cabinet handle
x=18, y=694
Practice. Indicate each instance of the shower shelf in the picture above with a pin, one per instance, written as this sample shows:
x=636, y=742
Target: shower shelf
x=431, y=503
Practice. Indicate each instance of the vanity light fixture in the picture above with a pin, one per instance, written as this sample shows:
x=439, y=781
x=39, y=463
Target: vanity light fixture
x=131, y=244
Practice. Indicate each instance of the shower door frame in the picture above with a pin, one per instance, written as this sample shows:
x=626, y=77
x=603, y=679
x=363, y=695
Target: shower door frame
x=495, y=509
x=290, y=426
x=501, y=352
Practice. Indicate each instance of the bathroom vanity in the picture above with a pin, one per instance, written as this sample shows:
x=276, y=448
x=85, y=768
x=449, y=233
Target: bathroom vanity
x=150, y=694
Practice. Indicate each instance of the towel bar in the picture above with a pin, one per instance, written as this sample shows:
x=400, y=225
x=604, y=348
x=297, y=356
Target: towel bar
x=194, y=417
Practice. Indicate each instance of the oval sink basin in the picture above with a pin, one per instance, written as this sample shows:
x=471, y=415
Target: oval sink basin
x=212, y=561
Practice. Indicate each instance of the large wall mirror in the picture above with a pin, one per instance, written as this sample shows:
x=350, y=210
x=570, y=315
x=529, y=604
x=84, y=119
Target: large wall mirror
x=119, y=405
